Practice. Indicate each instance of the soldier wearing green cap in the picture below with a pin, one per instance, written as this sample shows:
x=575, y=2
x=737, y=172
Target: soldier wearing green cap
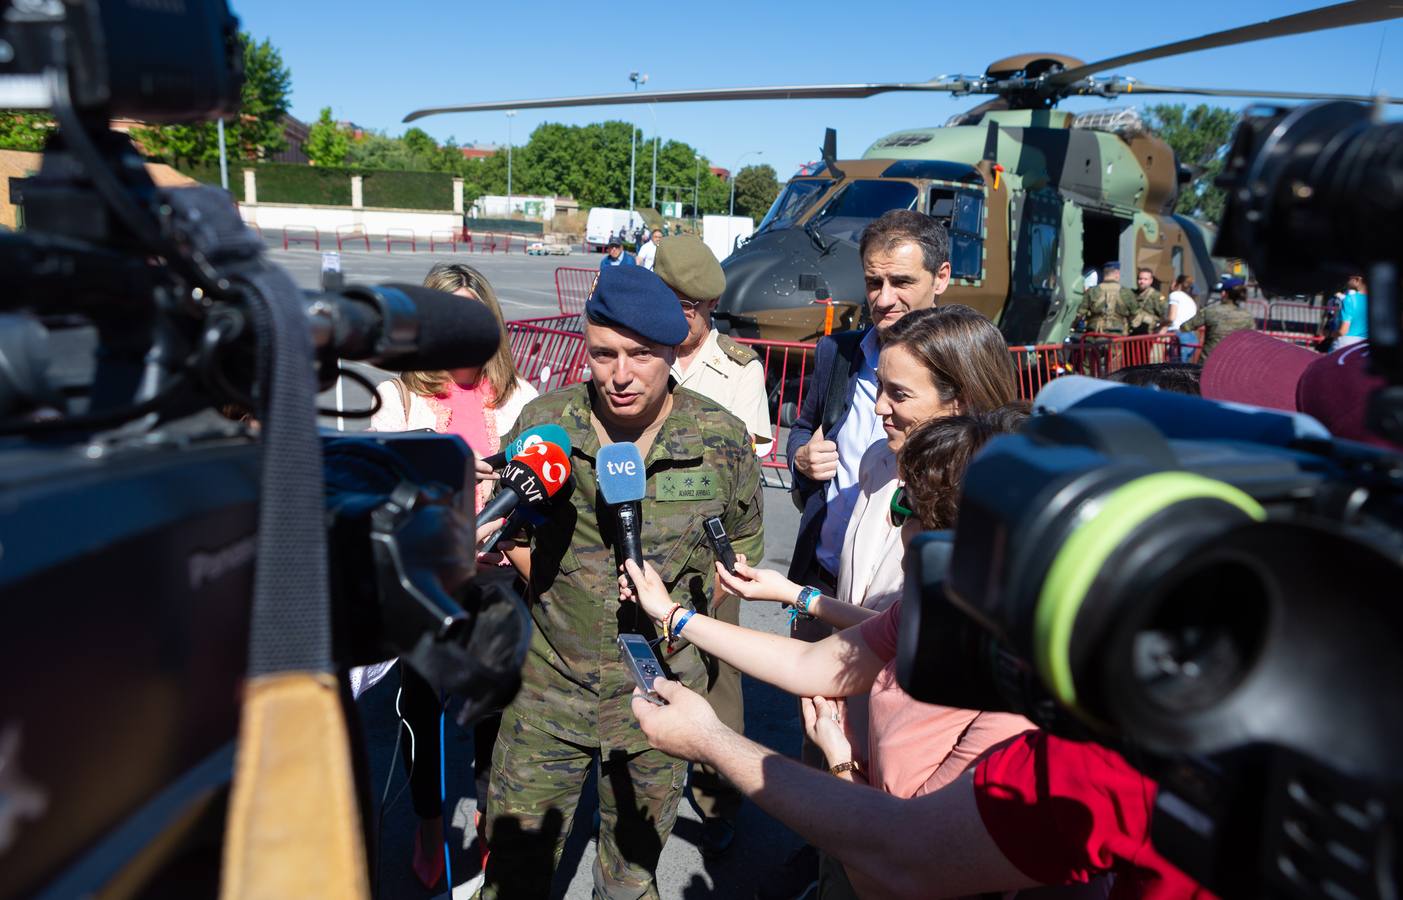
x=572, y=712
x=730, y=373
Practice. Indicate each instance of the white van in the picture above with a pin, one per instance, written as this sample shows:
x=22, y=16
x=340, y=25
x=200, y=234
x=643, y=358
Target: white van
x=603, y=222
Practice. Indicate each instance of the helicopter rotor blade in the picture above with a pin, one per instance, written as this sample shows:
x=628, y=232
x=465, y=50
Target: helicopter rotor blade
x=1356, y=12
x=781, y=92
x=1138, y=88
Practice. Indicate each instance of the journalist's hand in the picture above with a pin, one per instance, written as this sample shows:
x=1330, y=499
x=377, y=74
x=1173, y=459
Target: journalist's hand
x=487, y=529
x=823, y=723
x=818, y=459
x=686, y=727
x=756, y=584
x=484, y=471
x=652, y=593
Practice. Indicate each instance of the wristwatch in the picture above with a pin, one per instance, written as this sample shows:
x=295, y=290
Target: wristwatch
x=806, y=596
x=849, y=766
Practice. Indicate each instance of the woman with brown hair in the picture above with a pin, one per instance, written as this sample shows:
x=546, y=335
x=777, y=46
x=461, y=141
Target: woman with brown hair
x=480, y=405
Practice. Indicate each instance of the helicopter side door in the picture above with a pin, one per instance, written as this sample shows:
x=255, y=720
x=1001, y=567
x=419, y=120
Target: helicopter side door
x=1046, y=278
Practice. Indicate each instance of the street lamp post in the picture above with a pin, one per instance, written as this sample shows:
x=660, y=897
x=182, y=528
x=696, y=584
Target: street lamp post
x=637, y=78
x=736, y=171
x=696, y=188
x=510, y=114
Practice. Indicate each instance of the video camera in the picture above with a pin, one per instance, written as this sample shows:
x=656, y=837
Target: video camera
x=1211, y=590
x=174, y=530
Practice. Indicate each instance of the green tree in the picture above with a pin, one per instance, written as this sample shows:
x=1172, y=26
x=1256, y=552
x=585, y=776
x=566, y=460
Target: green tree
x=1198, y=137
x=327, y=144
x=24, y=130
x=254, y=134
x=756, y=189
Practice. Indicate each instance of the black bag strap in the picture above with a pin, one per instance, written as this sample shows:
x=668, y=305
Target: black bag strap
x=845, y=365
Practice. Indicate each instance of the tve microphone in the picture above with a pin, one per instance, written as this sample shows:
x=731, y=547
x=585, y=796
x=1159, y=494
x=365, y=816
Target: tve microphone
x=533, y=477
x=619, y=468
x=552, y=434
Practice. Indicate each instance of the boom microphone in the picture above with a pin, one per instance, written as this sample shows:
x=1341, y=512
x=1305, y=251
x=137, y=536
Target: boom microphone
x=404, y=327
x=550, y=433
x=533, y=477
x=623, y=483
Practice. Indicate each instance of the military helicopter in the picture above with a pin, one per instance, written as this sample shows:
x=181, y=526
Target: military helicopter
x=1032, y=195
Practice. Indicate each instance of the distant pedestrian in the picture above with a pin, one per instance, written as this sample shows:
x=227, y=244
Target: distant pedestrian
x=1354, y=313
x=1225, y=318
x=649, y=250
x=615, y=255
x=1183, y=307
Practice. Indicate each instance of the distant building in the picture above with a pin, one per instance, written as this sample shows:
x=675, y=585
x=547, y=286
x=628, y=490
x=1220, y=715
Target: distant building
x=723, y=174
x=479, y=151
x=295, y=134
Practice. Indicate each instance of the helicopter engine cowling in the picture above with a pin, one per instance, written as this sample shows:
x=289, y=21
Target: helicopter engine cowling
x=773, y=279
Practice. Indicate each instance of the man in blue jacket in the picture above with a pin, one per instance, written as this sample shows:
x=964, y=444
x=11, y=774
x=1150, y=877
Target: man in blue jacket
x=906, y=266
x=615, y=255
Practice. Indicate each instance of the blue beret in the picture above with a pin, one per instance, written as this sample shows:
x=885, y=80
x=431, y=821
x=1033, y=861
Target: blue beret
x=1229, y=282
x=632, y=297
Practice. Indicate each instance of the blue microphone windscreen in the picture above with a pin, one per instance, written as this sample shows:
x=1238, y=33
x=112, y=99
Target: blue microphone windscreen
x=619, y=468
x=549, y=432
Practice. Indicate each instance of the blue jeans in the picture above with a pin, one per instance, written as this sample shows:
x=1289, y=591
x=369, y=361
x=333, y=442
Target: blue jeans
x=1188, y=343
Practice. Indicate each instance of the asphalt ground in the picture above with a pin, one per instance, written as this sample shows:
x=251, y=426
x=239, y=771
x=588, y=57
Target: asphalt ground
x=526, y=287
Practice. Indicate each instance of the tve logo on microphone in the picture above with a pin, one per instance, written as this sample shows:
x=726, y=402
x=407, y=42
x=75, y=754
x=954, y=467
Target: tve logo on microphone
x=621, y=475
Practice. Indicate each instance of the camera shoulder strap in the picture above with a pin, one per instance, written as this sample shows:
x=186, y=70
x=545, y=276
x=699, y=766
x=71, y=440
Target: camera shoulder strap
x=294, y=826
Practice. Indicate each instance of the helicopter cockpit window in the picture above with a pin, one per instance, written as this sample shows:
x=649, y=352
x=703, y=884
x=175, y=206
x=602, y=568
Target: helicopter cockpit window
x=859, y=203
x=962, y=214
x=791, y=203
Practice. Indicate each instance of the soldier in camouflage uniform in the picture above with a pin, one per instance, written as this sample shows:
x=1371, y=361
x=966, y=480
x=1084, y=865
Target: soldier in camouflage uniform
x=573, y=708
x=1108, y=307
x=1153, y=310
x=1223, y=319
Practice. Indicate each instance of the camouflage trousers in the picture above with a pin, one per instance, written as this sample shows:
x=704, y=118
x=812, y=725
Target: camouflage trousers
x=535, y=787
x=714, y=796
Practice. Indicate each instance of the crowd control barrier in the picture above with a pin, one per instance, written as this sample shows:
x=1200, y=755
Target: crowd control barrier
x=346, y=233
x=448, y=238
x=401, y=236
x=310, y=234
x=573, y=287
x=547, y=357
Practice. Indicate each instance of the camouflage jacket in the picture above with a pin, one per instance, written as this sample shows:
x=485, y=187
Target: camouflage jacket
x=1108, y=308
x=1153, y=310
x=574, y=685
x=1218, y=322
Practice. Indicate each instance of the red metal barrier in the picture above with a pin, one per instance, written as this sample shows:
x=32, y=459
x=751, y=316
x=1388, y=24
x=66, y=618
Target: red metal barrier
x=1037, y=364
x=1304, y=340
x=1098, y=355
x=1259, y=309
x=1295, y=318
x=506, y=242
x=787, y=365
x=573, y=287
x=256, y=229
x=547, y=357
x=571, y=322
x=466, y=239
x=488, y=242
x=315, y=237
x=401, y=236
x=351, y=233
x=443, y=237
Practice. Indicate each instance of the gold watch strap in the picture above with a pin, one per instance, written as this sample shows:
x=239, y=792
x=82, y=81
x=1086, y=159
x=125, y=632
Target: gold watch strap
x=849, y=766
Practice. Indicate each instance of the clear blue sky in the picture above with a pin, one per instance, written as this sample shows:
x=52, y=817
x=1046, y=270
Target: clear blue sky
x=374, y=62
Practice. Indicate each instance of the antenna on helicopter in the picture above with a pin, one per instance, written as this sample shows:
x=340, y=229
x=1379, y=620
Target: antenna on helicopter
x=830, y=152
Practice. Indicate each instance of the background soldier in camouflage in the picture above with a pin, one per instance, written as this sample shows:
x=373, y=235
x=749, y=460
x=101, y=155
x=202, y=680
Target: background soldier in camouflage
x=1108, y=307
x=573, y=707
x=1223, y=319
x=1152, y=309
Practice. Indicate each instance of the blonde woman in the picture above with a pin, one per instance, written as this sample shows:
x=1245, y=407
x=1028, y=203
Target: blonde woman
x=480, y=405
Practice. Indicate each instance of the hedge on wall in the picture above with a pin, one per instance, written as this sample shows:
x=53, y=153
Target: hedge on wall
x=210, y=175
x=313, y=185
x=407, y=190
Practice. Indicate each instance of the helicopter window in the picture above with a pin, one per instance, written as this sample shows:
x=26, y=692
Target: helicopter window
x=859, y=203
x=962, y=214
x=791, y=202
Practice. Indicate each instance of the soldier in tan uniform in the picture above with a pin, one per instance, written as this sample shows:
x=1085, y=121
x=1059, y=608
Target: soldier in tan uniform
x=731, y=374
x=709, y=362
x=1108, y=307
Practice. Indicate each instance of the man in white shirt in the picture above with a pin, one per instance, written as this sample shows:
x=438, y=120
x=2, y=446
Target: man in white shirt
x=649, y=251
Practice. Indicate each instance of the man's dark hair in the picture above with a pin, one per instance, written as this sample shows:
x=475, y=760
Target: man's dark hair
x=1179, y=378
x=905, y=225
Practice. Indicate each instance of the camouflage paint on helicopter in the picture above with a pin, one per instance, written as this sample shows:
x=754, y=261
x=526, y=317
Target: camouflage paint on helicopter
x=1031, y=198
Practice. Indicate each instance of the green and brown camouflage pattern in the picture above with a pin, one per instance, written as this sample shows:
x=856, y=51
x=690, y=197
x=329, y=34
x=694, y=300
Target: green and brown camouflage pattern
x=1219, y=321
x=1151, y=313
x=1109, y=308
x=574, y=685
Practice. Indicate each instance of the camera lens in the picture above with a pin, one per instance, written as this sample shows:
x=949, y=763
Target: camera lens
x=1203, y=637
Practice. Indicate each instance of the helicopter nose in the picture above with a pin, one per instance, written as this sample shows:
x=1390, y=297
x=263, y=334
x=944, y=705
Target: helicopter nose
x=784, y=271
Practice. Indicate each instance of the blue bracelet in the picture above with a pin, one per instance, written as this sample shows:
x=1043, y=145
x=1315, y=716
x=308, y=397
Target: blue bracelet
x=682, y=623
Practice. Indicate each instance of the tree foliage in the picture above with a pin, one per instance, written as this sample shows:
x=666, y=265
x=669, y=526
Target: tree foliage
x=756, y=189
x=1199, y=137
x=21, y=130
x=255, y=133
x=328, y=143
